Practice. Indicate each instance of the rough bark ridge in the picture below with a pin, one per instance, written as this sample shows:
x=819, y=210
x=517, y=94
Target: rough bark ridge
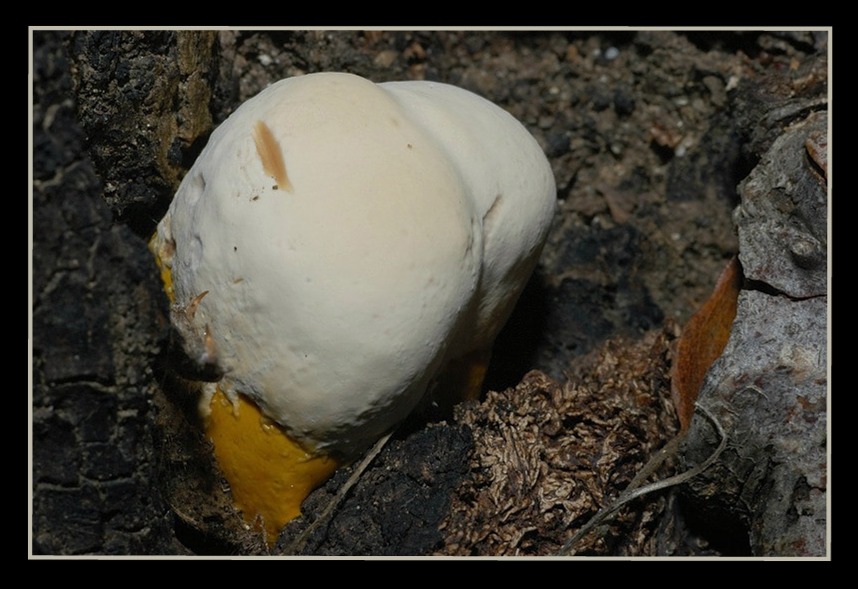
x=769, y=388
x=95, y=334
x=149, y=96
x=649, y=133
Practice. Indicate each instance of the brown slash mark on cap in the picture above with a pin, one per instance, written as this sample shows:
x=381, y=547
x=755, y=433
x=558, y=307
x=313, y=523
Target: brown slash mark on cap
x=271, y=155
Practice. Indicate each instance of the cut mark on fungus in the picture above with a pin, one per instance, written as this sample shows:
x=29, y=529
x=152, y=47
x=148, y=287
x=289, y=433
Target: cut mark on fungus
x=492, y=210
x=191, y=309
x=271, y=155
x=489, y=218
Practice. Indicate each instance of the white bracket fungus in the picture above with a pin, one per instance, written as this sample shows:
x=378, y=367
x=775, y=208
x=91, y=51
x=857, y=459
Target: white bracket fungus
x=353, y=239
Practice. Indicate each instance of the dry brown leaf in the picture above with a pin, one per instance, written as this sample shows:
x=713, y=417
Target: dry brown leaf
x=702, y=341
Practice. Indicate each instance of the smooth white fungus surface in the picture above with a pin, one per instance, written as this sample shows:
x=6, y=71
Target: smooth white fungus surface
x=353, y=238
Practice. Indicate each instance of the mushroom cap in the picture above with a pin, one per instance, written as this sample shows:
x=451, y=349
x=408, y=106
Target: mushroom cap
x=353, y=238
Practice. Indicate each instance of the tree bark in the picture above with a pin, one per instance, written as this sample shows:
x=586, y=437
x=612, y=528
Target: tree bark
x=769, y=388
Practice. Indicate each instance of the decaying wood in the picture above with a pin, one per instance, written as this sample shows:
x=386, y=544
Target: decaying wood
x=550, y=455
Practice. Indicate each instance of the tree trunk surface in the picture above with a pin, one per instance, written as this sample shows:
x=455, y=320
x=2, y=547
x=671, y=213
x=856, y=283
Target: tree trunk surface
x=769, y=388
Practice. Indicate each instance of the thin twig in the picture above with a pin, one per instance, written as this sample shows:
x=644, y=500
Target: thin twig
x=298, y=544
x=632, y=492
x=668, y=451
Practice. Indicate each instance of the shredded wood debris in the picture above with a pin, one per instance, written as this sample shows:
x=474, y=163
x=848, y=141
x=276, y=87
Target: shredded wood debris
x=549, y=455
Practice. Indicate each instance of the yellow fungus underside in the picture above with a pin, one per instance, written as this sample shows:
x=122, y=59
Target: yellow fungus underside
x=462, y=378
x=166, y=271
x=270, y=475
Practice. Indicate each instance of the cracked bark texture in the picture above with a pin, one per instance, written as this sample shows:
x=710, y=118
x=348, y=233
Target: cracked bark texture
x=95, y=332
